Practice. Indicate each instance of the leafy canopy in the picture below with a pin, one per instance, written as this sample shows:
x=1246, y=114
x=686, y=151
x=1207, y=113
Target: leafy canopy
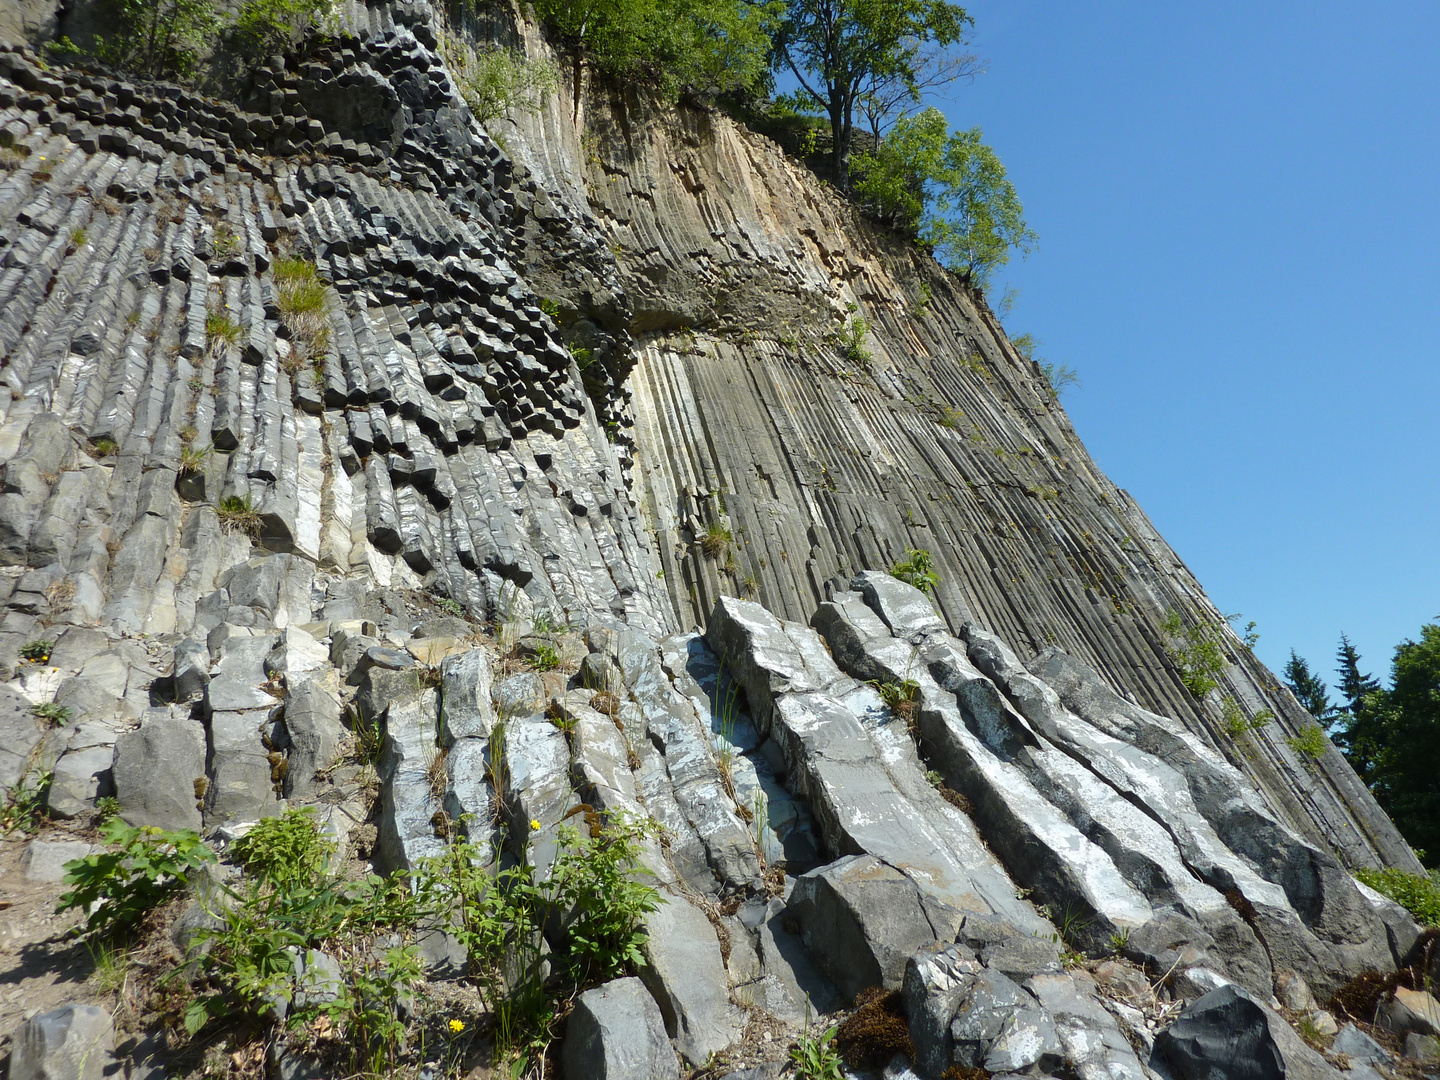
x=875, y=55
x=952, y=189
x=707, y=45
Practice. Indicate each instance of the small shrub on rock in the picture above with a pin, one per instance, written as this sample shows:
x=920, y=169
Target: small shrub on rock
x=1417, y=894
x=116, y=889
x=279, y=850
x=917, y=569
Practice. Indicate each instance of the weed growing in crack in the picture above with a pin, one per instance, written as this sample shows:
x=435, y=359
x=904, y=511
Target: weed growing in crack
x=917, y=569
x=238, y=513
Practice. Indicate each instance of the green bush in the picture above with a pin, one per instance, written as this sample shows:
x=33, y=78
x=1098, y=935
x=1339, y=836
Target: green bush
x=279, y=850
x=269, y=26
x=24, y=805
x=38, y=650
x=117, y=888
x=1196, y=651
x=1310, y=744
x=814, y=1057
x=917, y=569
x=591, y=900
x=158, y=38
x=1418, y=895
x=593, y=883
x=950, y=189
x=53, y=714
x=497, y=81
x=1234, y=722
x=852, y=342
x=250, y=962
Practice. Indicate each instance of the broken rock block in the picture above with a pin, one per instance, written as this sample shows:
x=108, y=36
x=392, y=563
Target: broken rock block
x=861, y=920
x=156, y=769
x=1227, y=1033
x=616, y=1033
x=70, y=1043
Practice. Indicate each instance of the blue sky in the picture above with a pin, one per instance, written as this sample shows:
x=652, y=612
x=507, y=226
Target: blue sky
x=1239, y=222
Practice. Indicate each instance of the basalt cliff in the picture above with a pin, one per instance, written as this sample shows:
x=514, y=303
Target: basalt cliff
x=573, y=492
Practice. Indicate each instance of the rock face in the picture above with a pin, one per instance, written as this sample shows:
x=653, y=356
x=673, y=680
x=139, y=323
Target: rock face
x=71, y=1043
x=1227, y=1033
x=615, y=1033
x=471, y=539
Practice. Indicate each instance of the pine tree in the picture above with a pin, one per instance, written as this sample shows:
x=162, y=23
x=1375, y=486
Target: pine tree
x=1309, y=689
x=1361, y=737
x=1352, y=684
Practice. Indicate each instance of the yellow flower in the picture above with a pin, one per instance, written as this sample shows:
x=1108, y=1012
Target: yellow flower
x=457, y=1026
x=535, y=824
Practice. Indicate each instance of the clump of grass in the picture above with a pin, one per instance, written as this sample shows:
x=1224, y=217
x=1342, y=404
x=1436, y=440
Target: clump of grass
x=226, y=242
x=53, y=714
x=103, y=448
x=192, y=459
x=79, y=237
x=301, y=297
x=220, y=327
x=237, y=512
x=901, y=698
x=437, y=775
x=716, y=540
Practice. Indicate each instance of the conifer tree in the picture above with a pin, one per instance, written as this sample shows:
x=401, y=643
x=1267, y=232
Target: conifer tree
x=1309, y=689
x=1361, y=716
x=1352, y=684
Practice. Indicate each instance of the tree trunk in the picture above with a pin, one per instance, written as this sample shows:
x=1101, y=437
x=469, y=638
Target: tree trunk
x=840, y=143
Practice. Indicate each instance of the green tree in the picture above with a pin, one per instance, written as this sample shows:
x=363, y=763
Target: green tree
x=158, y=38
x=951, y=189
x=1309, y=689
x=1353, y=685
x=707, y=45
x=849, y=55
x=1406, y=719
x=1361, y=734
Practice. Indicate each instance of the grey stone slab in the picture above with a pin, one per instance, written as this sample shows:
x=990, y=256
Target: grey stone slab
x=1228, y=1033
x=616, y=1032
x=155, y=769
x=466, y=707
x=73, y=1042
x=44, y=860
x=686, y=974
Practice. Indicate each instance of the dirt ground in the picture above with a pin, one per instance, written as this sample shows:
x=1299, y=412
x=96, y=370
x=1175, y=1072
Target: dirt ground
x=39, y=968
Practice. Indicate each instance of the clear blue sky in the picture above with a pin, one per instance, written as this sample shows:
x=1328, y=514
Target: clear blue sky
x=1239, y=216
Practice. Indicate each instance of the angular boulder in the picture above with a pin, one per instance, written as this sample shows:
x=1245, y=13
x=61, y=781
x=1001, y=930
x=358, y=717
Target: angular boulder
x=616, y=1032
x=70, y=1043
x=1227, y=1033
x=155, y=770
